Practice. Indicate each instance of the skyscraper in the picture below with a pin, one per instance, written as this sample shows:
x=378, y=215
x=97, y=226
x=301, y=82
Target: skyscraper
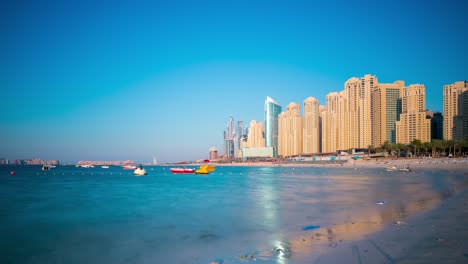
x=358, y=98
x=229, y=139
x=353, y=94
x=334, y=123
x=272, y=110
x=368, y=84
x=455, y=112
x=386, y=110
x=413, y=123
x=322, y=110
x=311, y=135
x=290, y=131
x=237, y=136
x=437, y=123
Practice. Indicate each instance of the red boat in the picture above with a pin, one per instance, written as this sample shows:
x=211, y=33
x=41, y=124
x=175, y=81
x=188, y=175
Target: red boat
x=182, y=170
x=128, y=167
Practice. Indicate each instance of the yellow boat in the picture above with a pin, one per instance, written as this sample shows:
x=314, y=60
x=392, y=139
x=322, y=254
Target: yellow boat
x=210, y=168
x=202, y=170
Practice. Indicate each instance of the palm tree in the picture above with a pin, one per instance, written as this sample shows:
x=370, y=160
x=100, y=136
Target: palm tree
x=369, y=149
x=426, y=146
x=399, y=148
x=436, y=144
x=385, y=146
x=416, y=144
x=450, y=143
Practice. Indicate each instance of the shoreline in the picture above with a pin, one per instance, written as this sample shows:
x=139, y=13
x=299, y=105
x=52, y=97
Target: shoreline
x=361, y=163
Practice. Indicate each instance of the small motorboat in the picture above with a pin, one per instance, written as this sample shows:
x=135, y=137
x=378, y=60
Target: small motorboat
x=202, y=170
x=393, y=168
x=45, y=167
x=405, y=169
x=139, y=171
x=104, y=166
x=182, y=170
x=210, y=168
x=129, y=167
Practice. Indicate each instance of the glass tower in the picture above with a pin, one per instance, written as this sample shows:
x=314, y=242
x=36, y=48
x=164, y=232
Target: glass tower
x=272, y=110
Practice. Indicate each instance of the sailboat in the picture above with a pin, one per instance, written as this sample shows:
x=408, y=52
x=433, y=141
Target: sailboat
x=155, y=162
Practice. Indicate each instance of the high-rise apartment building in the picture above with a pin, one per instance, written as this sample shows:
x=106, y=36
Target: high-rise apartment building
x=455, y=110
x=358, y=95
x=311, y=135
x=290, y=131
x=256, y=138
x=353, y=94
x=386, y=110
x=368, y=84
x=437, y=123
x=413, y=123
x=322, y=110
x=460, y=125
x=272, y=111
x=335, y=123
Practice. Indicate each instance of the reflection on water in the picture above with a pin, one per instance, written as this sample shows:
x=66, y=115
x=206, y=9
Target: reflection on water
x=235, y=215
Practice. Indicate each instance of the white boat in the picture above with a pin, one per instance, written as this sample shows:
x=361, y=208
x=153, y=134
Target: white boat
x=45, y=167
x=393, y=168
x=139, y=171
x=104, y=166
x=129, y=167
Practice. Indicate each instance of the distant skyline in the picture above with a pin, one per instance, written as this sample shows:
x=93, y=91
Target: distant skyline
x=84, y=80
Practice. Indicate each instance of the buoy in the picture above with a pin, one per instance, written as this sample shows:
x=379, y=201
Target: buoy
x=12, y=172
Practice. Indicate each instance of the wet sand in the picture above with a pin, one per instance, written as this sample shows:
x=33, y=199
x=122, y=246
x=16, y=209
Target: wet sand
x=436, y=236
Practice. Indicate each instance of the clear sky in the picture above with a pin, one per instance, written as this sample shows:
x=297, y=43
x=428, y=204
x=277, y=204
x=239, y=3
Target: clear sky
x=112, y=80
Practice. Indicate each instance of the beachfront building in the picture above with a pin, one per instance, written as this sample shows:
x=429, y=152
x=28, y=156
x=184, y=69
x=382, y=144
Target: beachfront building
x=329, y=123
x=437, y=123
x=256, y=138
x=358, y=95
x=322, y=110
x=413, y=123
x=4, y=161
x=353, y=94
x=290, y=131
x=455, y=110
x=254, y=145
x=272, y=110
x=229, y=139
x=386, y=110
x=311, y=135
x=213, y=154
x=257, y=153
x=334, y=123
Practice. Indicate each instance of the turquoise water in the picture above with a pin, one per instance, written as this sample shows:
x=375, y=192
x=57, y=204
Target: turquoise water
x=234, y=215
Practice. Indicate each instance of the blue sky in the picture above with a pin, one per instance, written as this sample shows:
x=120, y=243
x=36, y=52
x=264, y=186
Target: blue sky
x=129, y=79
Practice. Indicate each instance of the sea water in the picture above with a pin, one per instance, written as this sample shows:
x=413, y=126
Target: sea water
x=234, y=215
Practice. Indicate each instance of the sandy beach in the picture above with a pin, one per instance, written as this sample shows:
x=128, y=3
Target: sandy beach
x=427, y=163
